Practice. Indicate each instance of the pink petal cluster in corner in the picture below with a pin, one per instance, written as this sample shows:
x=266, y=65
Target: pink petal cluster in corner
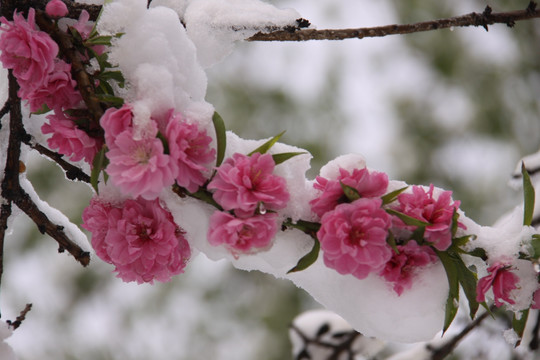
x=57, y=91
x=56, y=9
x=189, y=148
x=401, y=268
x=29, y=52
x=438, y=212
x=243, y=182
x=502, y=281
x=70, y=140
x=367, y=183
x=353, y=237
x=139, y=237
x=242, y=235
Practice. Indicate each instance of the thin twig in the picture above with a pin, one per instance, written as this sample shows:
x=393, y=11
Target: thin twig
x=72, y=172
x=473, y=19
x=4, y=110
x=443, y=351
x=22, y=316
x=337, y=349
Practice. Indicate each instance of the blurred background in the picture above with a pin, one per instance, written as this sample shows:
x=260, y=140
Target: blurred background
x=457, y=108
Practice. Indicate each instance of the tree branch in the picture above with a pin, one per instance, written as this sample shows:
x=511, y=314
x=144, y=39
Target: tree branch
x=72, y=172
x=443, y=351
x=22, y=316
x=473, y=19
x=11, y=187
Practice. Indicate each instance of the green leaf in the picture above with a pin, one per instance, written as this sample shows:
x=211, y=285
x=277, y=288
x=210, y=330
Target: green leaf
x=351, y=193
x=468, y=281
x=204, y=195
x=267, y=145
x=221, y=137
x=112, y=75
x=535, y=243
x=282, y=157
x=308, y=227
x=455, y=223
x=479, y=253
x=99, y=163
x=391, y=240
x=308, y=259
x=43, y=110
x=461, y=241
x=105, y=88
x=392, y=196
x=408, y=220
x=110, y=99
x=99, y=40
x=452, y=302
x=519, y=324
x=528, y=197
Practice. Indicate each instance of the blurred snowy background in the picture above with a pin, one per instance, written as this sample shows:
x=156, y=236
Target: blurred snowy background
x=454, y=108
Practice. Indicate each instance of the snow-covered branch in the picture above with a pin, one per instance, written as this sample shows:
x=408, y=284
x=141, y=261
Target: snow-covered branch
x=484, y=19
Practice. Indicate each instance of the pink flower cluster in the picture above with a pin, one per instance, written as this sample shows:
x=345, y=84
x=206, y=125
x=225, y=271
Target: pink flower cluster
x=246, y=187
x=354, y=235
x=436, y=211
x=501, y=280
x=139, y=237
x=139, y=163
x=46, y=80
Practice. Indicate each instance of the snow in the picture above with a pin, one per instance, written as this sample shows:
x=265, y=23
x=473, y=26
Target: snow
x=214, y=25
x=56, y=217
x=156, y=58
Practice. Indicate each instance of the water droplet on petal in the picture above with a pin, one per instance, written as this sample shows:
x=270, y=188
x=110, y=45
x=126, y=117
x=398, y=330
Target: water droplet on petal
x=262, y=208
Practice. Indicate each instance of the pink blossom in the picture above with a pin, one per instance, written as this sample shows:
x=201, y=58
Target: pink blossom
x=437, y=212
x=56, y=9
x=368, y=184
x=139, y=238
x=502, y=280
x=401, y=268
x=139, y=167
x=83, y=25
x=353, y=237
x=242, y=235
x=189, y=149
x=57, y=91
x=27, y=50
x=536, y=300
x=70, y=140
x=114, y=121
x=242, y=182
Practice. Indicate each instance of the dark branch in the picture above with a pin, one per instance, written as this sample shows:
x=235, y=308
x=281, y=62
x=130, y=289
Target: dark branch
x=74, y=8
x=11, y=188
x=23, y=202
x=338, y=349
x=72, y=172
x=443, y=351
x=22, y=316
x=473, y=19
